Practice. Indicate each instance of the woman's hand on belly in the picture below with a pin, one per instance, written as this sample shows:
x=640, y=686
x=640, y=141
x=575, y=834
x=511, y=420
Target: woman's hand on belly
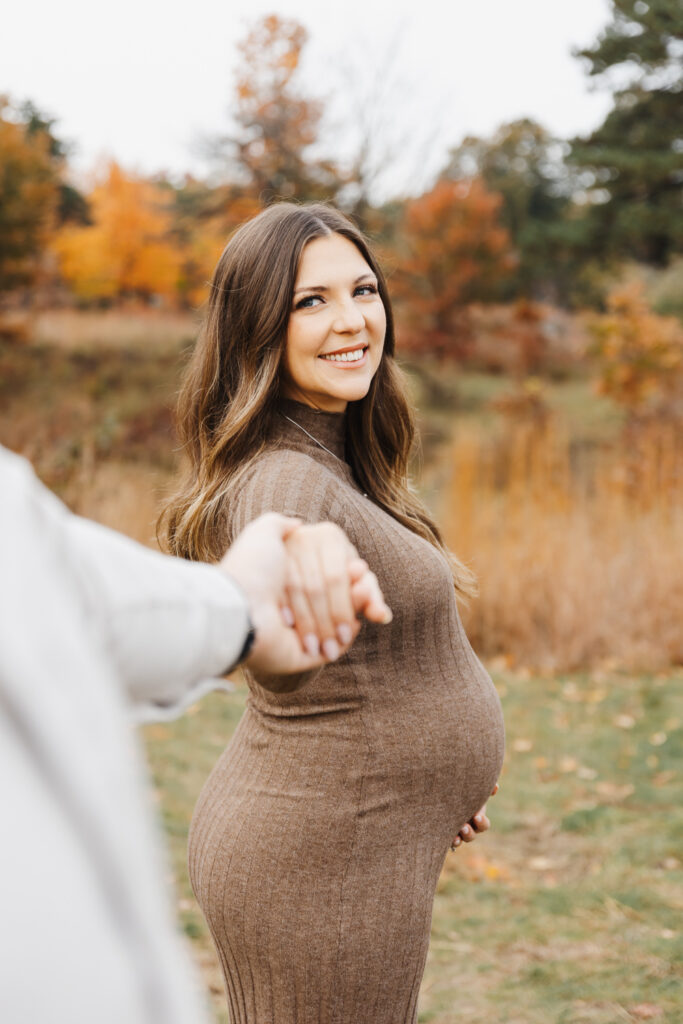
x=478, y=823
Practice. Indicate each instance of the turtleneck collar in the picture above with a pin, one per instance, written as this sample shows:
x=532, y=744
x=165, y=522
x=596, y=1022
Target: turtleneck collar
x=327, y=427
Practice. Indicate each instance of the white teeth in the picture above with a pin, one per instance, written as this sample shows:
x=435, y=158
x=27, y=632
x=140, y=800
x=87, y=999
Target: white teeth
x=347, y=357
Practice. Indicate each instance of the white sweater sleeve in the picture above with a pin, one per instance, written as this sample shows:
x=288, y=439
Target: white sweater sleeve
x=167, y=626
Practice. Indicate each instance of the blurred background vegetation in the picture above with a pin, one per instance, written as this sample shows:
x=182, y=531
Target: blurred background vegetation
x=538, y=284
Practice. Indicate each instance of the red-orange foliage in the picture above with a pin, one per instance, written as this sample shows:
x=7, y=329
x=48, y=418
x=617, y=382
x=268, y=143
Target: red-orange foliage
x=127, y=251
x=454, y=252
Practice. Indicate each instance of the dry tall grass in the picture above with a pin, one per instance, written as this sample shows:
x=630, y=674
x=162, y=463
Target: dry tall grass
x=579, y=555
x=116, y=328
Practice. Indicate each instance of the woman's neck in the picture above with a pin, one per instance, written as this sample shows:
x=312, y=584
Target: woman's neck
x=327, y=403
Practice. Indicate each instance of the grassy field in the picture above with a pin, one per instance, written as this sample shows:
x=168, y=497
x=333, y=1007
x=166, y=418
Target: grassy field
x=568, y=910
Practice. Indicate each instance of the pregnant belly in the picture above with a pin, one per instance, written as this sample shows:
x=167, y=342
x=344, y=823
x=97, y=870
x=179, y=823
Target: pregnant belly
x=445, y=758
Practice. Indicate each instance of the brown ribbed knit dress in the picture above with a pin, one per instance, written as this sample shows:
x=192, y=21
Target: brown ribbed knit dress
x=317, y=842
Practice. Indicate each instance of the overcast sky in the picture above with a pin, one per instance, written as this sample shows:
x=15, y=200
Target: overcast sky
x=145, y=81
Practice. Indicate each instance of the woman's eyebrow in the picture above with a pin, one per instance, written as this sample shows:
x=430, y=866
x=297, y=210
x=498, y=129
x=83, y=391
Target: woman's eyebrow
x=324, y=288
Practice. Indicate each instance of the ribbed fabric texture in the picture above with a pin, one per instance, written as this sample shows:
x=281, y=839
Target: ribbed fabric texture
x=318, y=839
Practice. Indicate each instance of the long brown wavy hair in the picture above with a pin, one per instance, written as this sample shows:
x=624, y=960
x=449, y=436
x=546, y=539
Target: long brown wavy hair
x=229, y=395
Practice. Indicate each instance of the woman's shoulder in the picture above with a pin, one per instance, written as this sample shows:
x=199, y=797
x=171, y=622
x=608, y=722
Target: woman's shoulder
x=279, y=467
x=290, y=482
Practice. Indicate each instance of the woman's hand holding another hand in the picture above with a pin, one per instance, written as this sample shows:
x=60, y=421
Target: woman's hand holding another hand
x=305, y=585
x=327, y=585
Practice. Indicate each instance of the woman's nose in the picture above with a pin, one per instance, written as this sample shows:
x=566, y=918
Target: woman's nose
x=349, y=319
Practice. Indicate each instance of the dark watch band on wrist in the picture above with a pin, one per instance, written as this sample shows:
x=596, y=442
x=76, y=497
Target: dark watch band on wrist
x=251, y=631
x=246, y=647
x=248, y=641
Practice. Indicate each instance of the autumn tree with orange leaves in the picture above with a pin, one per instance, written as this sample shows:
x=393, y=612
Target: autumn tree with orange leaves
x=452, y=251
x=127, y=251
x=276, y=125
x=639, y=354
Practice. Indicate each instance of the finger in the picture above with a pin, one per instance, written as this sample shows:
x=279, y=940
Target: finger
x=297, y=601
x=318, y=577
x=368, y=599
x=495, y=789
x=456, y=843
x=357, y=567
x=334, y=560
x=285, y=526
x=290, y=525
x=467, y=833
x=480, y=823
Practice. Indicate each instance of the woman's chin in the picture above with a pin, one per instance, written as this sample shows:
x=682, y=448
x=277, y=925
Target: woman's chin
x=351, y=391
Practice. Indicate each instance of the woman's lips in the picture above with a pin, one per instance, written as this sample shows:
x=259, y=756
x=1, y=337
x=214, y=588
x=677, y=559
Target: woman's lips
x=347, y=364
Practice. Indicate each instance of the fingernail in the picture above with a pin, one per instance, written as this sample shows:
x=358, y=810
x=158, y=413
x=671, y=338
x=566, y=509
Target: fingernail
x=465, y=829
x=312, y=645
x=388, y=616
x=331, y=649
x=478, y=817
x=288, y=616
x=344, y=634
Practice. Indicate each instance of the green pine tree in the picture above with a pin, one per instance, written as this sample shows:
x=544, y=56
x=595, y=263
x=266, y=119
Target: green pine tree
x=634, y=161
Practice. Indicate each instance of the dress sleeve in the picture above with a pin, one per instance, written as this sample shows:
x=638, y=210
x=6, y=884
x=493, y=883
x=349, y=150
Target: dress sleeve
x=293, y=484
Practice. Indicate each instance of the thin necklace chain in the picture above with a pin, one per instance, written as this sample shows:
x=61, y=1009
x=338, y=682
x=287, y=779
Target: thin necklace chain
x=319, y=443
x=310, y=435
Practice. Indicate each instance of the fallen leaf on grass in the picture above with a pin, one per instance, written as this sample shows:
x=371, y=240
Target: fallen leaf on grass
x=625, y=721
x=542, y=863
x=615, y=791
x=645, y=1011
x=521, y=746
x=657, y=738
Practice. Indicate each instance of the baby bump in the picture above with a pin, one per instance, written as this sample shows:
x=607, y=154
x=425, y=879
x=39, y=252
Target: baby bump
x=440, y=755
x=473, y=746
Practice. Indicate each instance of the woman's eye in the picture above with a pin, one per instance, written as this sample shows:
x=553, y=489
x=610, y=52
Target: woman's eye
x=369, y=289
x=308, y=302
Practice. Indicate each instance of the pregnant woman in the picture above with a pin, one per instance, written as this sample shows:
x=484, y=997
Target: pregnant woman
x=318, y=839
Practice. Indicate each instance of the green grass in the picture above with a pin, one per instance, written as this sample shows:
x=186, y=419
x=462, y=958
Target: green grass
x=568, y=910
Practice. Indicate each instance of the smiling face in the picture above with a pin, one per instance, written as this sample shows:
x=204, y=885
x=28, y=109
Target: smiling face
x=336, y=328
